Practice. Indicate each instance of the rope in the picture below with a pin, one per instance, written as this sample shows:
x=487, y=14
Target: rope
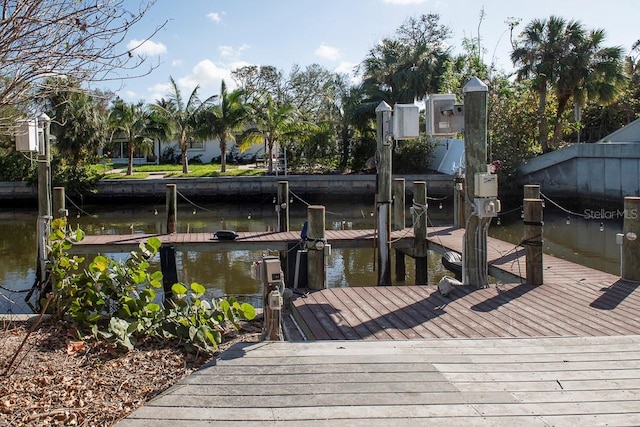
x=79, y=208
x=561, y=208
x=193, y=204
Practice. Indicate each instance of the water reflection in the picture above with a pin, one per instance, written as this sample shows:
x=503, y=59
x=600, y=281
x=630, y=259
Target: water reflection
x=227, y=273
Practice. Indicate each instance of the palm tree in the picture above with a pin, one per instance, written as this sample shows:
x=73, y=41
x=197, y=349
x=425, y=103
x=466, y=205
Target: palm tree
x=131, y=121
x=226, y=118
x=590, y=72
x=185, y=118
x=272, y=124
x=543, y=44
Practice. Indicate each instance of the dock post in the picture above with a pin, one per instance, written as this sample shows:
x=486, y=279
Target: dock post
x=531, y=191
x=629, y=266
x=383, y=193
x=283, y=205
x=169, y=269
x=399, y=222
x=172, y=208
x=59, y=203
x=474, y=253
x=316, y=246
x=458, y=202
x=533, y=240
x=420, y=231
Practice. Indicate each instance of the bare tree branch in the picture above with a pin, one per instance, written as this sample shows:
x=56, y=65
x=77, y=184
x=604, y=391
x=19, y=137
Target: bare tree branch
x=79, y=39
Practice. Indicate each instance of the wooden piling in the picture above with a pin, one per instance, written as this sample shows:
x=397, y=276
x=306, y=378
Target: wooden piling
x=533, y=240
x=398, y=223
x=383, y=193
x=172, y=208
x=283, y=205
x=630, y=267
x=315, y=246
x=531, y=191
x=169, y=269
x=59, y=203
x=420, y=231
x=458, y=202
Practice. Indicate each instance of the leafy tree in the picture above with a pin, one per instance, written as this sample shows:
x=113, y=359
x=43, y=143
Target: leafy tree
x=81, y=39
x=272, y=124
x=78, y=121
x=185, y=118
x=407, y=67
x=255, y=81
x=561, y=56
x=226, y=118
x=132, y=121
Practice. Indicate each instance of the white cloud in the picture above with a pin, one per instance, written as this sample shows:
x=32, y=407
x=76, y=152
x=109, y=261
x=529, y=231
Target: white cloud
x=214, y=16
x=177, y=62
x=231, y=52
x=403, y=2
x=146, y=47
x=328, y=52
x=206, y=74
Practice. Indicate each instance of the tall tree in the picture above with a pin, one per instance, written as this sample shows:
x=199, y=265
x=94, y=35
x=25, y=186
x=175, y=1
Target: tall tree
x=131, y=121
x=271, y=124
x=80, y=39
x=409, y=66
x=226, y=118
x=186, y=118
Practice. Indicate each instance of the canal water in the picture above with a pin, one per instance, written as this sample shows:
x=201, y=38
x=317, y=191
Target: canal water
x=588, y=242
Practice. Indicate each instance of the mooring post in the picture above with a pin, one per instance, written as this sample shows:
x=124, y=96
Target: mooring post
x=533, y=240
x=383, y=193
x=59, y=203
x=630, y=266
x=315, y=246
x=420, y=231
x=399, y=224
x=283, y=205
x=172, y=208
x=531, y=191
x=475, y=142
x=458, y=202
x=169, y=269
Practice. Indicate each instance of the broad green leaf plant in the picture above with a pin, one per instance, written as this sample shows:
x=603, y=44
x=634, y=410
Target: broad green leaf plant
x=117, y=301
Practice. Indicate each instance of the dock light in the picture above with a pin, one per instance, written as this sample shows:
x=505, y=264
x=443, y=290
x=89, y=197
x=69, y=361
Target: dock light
x=283, y=206
x=440, y=205
x=291, y=200
x=631, y=236
x=249, y=216
x=568, y=220
x=194, y=211
x=274, y=200
x=319, y=245
x=601, y=226
x=78, y=215
x=155, y=211
x=498, y=222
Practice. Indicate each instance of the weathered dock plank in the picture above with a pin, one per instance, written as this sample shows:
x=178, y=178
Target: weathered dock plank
x=395, y=382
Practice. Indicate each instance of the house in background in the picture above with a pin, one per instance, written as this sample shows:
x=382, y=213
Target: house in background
x=198, y=151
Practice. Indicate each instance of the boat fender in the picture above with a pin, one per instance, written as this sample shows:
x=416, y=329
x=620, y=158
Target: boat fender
x=225, y=235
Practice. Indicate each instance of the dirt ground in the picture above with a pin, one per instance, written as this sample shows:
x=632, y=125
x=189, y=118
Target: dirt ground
x=55, y=379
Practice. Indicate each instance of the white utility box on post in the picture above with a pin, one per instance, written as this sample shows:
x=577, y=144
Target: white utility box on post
x=405, y=121
x=486, y=201
x=444, y=117
x=28, y=136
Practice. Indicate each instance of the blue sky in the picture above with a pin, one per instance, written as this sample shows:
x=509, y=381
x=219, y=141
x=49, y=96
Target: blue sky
x=204, y=40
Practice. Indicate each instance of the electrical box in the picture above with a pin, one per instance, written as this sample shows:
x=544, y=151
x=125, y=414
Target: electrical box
x=275, y=300
x=487, y=207
x=486, y=185
x=28, y=136
x=272, y=272
x=405, y=121
x=443, y=116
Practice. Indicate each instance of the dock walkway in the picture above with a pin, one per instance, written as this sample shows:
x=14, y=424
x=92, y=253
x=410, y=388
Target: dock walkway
x=564, y=353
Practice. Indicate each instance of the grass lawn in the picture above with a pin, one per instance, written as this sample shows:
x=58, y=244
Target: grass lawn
x=175, y=171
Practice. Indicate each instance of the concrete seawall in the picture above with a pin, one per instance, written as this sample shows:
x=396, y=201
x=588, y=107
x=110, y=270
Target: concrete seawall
x=310, y=187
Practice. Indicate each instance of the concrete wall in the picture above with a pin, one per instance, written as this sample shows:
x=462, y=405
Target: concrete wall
x=308, y=187
x=605, y=171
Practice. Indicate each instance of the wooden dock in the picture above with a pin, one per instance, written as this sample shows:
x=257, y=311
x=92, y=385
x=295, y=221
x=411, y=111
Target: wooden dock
x=564, y=353
x=567, y=381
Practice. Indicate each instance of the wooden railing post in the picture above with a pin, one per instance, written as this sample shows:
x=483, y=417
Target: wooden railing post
x=630, y=267
x=533, y=240
x=420, y=231
x=172, y=208
x=399, y=224
x=59, y=203
x=315, y=247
